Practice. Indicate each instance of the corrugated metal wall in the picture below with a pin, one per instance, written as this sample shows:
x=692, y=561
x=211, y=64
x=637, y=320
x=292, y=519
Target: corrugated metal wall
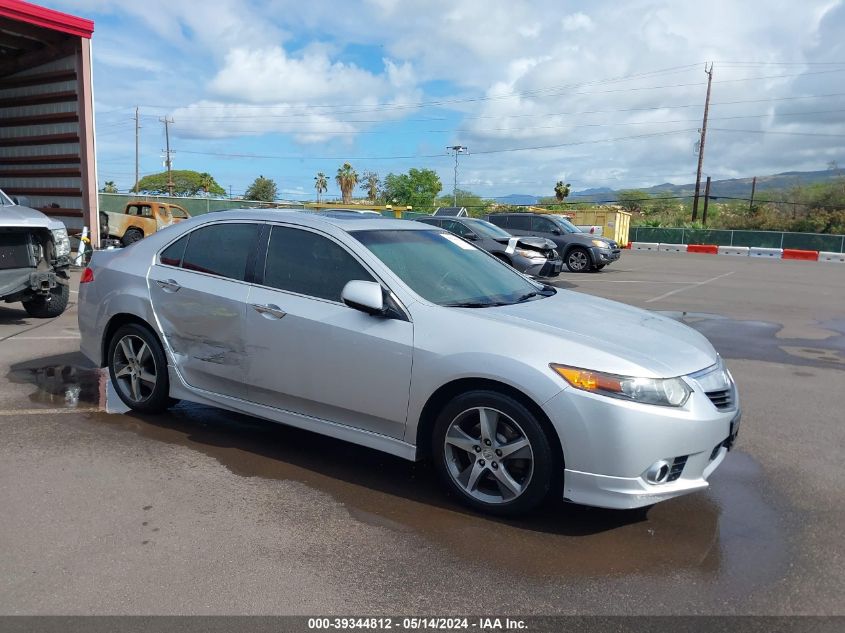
x=39, y=139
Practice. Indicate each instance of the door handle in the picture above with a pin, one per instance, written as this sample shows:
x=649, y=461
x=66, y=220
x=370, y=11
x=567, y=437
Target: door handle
x=269, y=310
x=168, y=285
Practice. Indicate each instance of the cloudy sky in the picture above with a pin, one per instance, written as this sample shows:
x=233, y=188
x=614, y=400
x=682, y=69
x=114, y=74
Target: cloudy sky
x=600, y=94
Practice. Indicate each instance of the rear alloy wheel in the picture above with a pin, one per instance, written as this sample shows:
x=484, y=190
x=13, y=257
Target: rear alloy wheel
x=131, y=236
x=138, y=369
x=49, y=306
x=493, y=453
x=578, y=260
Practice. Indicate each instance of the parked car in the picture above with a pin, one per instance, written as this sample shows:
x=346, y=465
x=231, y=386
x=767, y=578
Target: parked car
x=139, y=219
x=404, y=338
x=581, y=252
x=349, y=213
x=535, y=256
x=34, y=259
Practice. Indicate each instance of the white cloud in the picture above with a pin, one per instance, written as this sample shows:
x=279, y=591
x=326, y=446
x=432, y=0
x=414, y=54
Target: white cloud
x=577, y=22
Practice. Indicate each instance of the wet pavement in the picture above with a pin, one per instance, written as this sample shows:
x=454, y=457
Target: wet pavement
x=204, y=511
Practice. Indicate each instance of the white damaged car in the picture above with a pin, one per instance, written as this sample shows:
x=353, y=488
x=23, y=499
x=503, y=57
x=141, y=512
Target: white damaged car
x=34, y=259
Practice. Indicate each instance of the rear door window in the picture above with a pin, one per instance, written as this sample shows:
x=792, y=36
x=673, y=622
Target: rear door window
x=520, y=222
x=221, y=249
x=499, y=220
x=541, y=225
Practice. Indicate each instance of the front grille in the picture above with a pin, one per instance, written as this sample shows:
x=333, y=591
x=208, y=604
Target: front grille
x=15, y=250
x=677, y=468
x=722, y=399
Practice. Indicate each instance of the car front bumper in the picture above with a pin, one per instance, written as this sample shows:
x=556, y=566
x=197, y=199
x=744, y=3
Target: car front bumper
x=603, y=257
x=609, y=445
x=539, y=266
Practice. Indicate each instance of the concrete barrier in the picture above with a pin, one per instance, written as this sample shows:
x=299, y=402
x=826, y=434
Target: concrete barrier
x=773, y=253
x=672, y=248
x=794, y=253
x=709, y=249
x=733, y=250
x=827, y=256
x=644, y=246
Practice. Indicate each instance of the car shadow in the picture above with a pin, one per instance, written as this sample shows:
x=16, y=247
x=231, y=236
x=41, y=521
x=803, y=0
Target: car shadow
x=13, y=316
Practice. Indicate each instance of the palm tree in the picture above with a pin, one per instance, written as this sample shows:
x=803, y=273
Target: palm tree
x=321, y=184
x=206, y=182
x=561, y=190
x=110, y=187
x=346, y=179
x=370, y=185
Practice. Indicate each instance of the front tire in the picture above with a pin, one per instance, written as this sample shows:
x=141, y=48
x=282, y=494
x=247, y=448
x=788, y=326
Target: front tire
x=138, y=369
x=578, y=260
x=131, y=236
x=492, y=453
x=51, y=306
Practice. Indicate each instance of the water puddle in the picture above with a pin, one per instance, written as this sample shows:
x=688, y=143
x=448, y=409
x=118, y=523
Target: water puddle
x=759, y=340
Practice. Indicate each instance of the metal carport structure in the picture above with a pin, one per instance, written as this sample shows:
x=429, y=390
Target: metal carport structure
x=47, y=149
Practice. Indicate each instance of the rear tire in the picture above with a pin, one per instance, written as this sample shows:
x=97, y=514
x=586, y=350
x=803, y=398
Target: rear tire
x=131, y=236
x=578, y=260
x=51, y=306
x=492, y=453
x=138, y=369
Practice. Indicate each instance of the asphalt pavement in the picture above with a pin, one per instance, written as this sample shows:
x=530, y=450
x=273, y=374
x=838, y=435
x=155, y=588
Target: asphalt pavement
x=200, y=511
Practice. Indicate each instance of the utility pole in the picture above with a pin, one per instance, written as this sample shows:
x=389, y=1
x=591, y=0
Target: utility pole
x=167, y=159
x=456, y=149
x=706, y=201
x=137, y=142
x=230, y=192
x=701, y=142
x=753, y=189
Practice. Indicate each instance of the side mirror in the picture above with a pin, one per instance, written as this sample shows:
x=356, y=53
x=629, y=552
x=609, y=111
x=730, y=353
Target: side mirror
x=365, y=296
x=555, y=231
x=472, y=237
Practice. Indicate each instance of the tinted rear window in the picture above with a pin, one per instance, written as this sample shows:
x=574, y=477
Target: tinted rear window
x=221, y=249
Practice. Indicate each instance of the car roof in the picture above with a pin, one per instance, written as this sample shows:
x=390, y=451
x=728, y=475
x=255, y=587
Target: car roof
x=347, y=224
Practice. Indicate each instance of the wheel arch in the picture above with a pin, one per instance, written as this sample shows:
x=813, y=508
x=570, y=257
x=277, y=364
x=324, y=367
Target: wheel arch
x=117, y=321
x=445, y=393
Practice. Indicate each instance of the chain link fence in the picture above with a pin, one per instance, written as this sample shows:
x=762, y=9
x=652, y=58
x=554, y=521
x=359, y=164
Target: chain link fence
x=722, y=237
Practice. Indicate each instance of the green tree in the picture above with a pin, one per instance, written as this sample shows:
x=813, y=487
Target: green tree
x=370, y=185
x=321, y=184
x=561, y=191
x=633, y=200
x=206, y=182
x=263, y=189
x=346, y=179
x=418, y=188
x=185, y=183
x=109, y=187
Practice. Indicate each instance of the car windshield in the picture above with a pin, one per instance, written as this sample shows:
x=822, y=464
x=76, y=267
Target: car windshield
x=487, y=229
x=566, y=224
x=448, y=271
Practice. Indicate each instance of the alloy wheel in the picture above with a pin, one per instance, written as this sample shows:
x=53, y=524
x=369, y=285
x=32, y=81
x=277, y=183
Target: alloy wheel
x=577, y=260
x=488, y=455
x=134, y=368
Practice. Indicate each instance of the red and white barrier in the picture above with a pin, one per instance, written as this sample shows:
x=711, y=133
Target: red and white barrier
x=740, y=251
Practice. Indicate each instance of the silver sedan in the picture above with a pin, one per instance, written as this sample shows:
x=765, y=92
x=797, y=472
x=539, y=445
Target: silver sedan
x=408, y=339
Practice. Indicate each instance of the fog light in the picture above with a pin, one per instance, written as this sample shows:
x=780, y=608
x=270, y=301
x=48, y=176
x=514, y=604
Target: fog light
x=657, y=472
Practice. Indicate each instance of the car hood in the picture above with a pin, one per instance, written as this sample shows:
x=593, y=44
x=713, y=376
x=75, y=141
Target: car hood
x=12, y=216
x=534, y=243
x=604, y=329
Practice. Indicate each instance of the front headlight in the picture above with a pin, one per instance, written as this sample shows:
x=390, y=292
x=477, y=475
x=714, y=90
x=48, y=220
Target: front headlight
x=529, y=253
x=666, y=392
x=601, y=244
x=61, y=242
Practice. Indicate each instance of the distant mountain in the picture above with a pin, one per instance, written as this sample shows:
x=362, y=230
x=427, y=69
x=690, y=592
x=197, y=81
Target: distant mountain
x=518, y=199
x=731, y=188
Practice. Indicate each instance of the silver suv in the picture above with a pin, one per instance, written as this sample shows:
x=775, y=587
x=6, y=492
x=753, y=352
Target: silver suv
x=34, y=258
x=408, y=339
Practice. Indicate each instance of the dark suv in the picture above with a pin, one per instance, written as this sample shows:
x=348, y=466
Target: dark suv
x=581, y=252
